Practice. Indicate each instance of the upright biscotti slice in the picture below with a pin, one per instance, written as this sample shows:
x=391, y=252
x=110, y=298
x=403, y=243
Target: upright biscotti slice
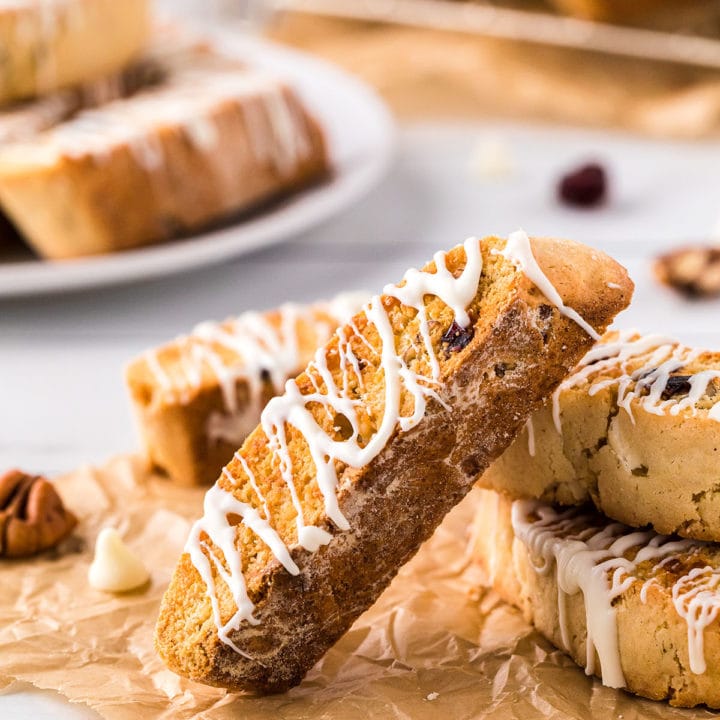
x=635, y=428
x=354, y=466
x=52, y=44
x=211, y=141
x=198, y=397
x=638, y=609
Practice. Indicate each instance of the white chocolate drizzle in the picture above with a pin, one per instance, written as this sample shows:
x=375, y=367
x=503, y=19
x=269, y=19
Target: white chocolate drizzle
x=250, y=349
x=640, y=367
x=292, y=409
x=601, y=561
x=185, y=101
x=519, y=252
x=530, y=428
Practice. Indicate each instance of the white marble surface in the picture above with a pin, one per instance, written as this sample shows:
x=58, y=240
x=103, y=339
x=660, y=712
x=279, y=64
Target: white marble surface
x=61, y=357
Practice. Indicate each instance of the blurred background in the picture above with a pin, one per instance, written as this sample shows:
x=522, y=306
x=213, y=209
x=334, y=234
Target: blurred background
x=129, y=213
x=591, y=119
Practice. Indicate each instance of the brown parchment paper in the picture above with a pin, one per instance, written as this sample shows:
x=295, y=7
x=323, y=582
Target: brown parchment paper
x=433, y=646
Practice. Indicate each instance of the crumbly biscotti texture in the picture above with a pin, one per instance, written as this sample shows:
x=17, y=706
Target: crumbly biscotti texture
x=189, y=426
x=126, y=174
x=654, y=642
x=393, y=503
x=54, y=44
x=639, y=436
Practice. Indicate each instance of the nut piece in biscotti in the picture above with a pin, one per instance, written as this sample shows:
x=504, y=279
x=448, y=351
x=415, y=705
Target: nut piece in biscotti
x=54, y=44
x=636, y=429
x=32, y=515
x=126, y=174
x=639, y=610
x=356, y=464
x=198, y=397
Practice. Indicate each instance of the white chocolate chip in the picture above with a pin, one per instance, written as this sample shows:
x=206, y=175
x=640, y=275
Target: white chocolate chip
x=491, y=159
x=115, y=568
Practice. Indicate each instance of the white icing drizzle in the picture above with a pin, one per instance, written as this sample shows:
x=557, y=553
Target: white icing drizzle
x=640, y=366
x=599, y=562
x=519, y=252
x=186, y=101
x=530, y=427
x=293, y=409
x=248, y=348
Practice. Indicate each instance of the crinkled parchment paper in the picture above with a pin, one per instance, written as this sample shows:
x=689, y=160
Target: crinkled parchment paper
x=433, y=645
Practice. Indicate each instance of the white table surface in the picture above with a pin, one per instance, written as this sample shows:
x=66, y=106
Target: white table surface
x=61, y=357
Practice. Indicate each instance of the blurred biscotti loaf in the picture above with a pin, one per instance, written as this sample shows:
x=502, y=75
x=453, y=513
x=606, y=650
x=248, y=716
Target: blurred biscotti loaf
x=198, y=397
x=356, y=464
x=212, y=140
x=51, y=44
x=24, y=120
x=636, y=429
x=637, y=609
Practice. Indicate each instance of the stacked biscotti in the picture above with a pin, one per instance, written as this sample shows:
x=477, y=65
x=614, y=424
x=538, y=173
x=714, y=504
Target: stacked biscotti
x=198, y=397
x=607, y=519
x=113, y=163
x=362, y=455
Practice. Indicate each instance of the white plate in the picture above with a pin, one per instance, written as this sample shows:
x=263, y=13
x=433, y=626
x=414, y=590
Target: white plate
x=361, y=138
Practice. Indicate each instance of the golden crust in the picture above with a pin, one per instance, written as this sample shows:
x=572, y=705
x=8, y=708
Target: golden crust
x=54, y=44
x=394, y=503
x=652, y=636
x=638, y=467
x=174, y=419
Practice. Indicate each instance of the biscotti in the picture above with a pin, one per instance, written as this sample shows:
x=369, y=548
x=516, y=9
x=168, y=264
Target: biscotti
x=52, y=44
x=638, y=609
x=126, y=174
x=198, y=397
x=22, y=121
x=354, y=466
x=636, y=429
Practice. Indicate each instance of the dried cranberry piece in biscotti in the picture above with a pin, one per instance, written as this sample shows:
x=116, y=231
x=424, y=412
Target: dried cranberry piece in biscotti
x=457, y=337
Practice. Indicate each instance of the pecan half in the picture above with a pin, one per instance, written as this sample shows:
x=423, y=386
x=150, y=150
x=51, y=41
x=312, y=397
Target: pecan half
x=32, y=515
x=692, y=271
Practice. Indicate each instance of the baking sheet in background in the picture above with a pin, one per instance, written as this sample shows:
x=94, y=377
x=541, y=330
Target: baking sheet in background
x=434, y=645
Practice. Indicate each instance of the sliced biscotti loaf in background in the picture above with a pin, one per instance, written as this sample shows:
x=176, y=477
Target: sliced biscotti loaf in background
x=635, y=428
x=52, y=44
x=356, y=464
x=22, y=121
x=198, y=397
x=637, y=609
x=213, y=140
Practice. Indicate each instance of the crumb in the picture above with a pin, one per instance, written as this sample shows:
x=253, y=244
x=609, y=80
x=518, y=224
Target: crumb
x=432, y=696
x=586, y=186
x=614, y=286
x=491, y=159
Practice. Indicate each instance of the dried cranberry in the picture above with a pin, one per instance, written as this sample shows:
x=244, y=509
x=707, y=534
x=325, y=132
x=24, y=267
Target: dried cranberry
x=584, y=187
x=457, y=337
x=676, y=385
